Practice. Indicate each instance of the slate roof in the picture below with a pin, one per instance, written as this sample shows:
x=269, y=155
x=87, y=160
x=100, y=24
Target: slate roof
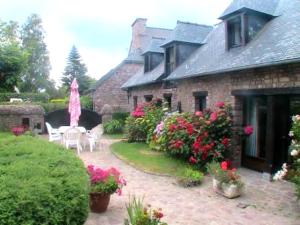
x=263, y=6
x=150, y=32
x=189, y=32
x=154, y=45
x=278, y=42
x=135, y=55
x=142, y=78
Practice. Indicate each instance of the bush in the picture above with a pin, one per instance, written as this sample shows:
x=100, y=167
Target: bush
x=50, y=107
x=33, y=97
x=200, y=138
x=41, y=183
x=141, y=123
x=113, y=127
x=86, y=102
x=120, y=116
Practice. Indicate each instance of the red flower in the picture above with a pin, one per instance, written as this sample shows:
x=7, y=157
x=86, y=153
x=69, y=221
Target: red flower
x=248, y=130
x=199, y=113
x=192, y=160
x=172, y=127
x=178, y=144
x=190, y=129
x=220, y=104
x=226, y=142
x=196, y=145
x=225, y=165
x=213, y=116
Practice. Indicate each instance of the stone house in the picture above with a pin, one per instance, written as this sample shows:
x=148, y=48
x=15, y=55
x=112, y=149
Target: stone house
x=108, y=88
x=251, y=60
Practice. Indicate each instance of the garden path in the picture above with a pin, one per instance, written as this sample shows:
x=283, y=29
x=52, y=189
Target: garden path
x=264, y=202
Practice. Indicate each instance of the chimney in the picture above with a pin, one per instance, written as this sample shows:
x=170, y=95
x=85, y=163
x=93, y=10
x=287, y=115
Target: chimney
x=138, y=29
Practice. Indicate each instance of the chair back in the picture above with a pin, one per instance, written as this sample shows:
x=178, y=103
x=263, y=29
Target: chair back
x=72, y=134
x=49, y=128
x=97, y=132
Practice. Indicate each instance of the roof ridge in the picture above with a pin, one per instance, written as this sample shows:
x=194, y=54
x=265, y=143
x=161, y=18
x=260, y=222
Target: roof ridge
x=197, y=24
x=159, y=28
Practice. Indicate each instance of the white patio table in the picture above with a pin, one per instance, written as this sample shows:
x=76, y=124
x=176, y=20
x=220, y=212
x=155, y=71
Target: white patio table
x=62, y=129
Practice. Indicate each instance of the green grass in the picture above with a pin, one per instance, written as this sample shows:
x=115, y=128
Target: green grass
x=114, y=136
x=142, y=157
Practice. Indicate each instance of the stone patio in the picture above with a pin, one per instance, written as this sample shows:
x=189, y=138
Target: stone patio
x=264, y=202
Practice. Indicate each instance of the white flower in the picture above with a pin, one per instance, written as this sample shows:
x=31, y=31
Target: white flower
x=294, y=152
x=291, y=133
x=279, y=175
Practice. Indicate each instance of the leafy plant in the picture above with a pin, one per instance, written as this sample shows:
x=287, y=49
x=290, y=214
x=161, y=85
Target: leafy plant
x=141, y=215
x=191, y=177
x=120, y=116
x=40, y=183
x=86, y=102
x=113, y=127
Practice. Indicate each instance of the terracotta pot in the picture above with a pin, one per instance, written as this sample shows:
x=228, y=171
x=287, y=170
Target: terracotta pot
x=99, y=202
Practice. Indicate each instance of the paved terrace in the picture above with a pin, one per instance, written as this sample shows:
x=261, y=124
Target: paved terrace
x=264, y=202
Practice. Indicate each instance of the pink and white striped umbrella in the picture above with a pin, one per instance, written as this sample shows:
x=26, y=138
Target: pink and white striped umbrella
x=74, y=104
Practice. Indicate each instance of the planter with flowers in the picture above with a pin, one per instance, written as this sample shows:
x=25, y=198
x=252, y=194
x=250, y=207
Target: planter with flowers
x=226, y=180
x=103, y=184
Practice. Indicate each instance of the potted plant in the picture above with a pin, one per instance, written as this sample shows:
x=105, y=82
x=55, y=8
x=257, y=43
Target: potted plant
x=190, y=178
x=143, y=215
x=103, y=184
x=226, y=180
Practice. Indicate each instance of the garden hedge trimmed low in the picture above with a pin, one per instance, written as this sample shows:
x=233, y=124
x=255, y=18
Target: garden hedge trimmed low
x=40, y=183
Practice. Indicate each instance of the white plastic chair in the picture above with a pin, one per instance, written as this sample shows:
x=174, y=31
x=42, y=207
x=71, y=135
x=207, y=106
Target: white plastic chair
x=72, y=138
x=54, y=134
x=94, y=136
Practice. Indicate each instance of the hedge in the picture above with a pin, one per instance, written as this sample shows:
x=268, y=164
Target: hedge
x=33, y=97
x=121, y=116
x=41, y=183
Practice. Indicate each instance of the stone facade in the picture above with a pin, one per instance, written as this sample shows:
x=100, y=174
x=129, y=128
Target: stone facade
x=220, y=87
x=110, y=92
x=155, y=90
x=15, y=115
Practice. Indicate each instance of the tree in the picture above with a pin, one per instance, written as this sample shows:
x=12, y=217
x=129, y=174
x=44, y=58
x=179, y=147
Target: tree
x=36, y=76
x=12, y=56
x=76, y=69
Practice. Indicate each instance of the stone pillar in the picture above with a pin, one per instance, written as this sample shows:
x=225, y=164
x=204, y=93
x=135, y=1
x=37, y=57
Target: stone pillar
x=106, y=113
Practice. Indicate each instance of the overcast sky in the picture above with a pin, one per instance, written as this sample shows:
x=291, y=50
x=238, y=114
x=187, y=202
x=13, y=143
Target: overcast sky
x=101, y=30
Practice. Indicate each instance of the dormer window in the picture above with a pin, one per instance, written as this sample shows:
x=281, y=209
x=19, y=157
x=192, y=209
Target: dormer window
x=152, y=60
x=243, y=27
x=170, y=60
x=234, y=27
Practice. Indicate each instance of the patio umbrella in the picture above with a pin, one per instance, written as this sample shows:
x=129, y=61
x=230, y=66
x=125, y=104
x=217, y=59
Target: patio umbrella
x=74, y=104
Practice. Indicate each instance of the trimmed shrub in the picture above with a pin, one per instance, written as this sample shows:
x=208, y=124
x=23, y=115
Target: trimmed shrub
x=50, y=107
x=41, y=183
x=33, y=97
x=113, y=127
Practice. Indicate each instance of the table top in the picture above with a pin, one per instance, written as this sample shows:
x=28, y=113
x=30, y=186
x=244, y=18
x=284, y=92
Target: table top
x=62, y=129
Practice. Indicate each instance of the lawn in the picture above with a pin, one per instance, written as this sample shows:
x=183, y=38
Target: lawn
x=142, y=157
x=114, y=136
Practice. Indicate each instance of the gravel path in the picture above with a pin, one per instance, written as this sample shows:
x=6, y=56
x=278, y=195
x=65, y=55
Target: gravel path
x=264, y=202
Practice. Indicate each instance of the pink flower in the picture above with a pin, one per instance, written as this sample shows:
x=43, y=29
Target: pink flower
x=213, y=116
x=248, y=130
x=220, y=104
x=225, y=165
x=199, y=113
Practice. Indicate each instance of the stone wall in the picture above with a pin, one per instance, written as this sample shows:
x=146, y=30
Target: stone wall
x=156, y=90
x=219, y=88
x=110, y=92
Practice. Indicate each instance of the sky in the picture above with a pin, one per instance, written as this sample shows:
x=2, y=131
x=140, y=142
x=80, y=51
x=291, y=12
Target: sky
x=101, y=30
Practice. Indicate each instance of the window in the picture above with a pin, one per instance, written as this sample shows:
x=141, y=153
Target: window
x=200, y=100
x=170, y=60
x=152, y=60
x=26, y=123
x=168, y=99
x=234, y=30
x=148, y=98
x=135, y=99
